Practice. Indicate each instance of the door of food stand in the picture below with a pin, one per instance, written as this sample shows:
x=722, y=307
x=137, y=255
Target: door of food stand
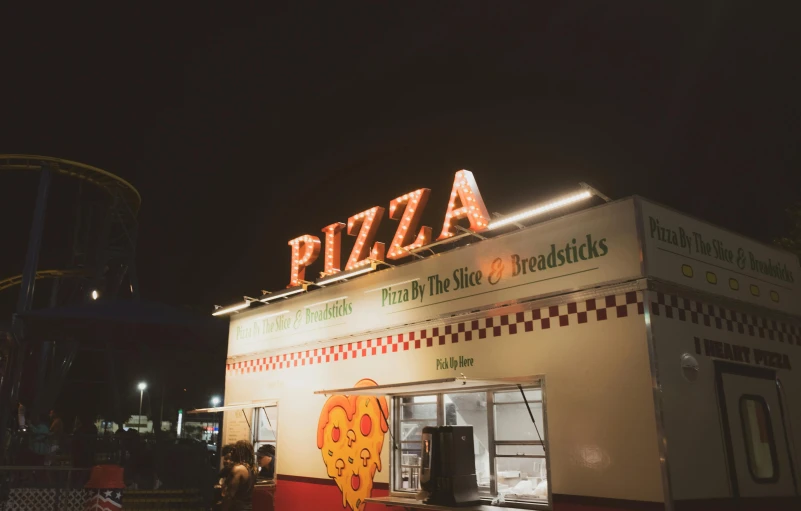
x=752, y=415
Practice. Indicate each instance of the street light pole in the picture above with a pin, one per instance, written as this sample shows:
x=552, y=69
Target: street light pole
x=214, y=402
x=142, y=387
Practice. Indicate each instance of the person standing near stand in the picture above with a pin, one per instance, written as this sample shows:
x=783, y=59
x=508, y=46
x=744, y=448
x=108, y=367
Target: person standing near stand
x=264, y=491
x=21, y=415
x=238, y=492
x=56, y=430
x=38, y=436
x=84, y=439
x=224, y=476
x=265, y=458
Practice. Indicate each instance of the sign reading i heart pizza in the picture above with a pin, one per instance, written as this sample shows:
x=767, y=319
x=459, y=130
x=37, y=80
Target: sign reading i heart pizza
x=350, y=436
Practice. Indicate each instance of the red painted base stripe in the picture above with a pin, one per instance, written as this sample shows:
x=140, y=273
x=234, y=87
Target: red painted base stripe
x=297, y=493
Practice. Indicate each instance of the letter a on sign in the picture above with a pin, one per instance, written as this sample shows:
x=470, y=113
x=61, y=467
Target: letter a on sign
x=465, y=202
x=305, y=250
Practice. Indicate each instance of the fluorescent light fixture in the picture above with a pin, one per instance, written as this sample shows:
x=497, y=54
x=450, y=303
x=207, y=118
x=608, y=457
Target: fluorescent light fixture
x=232, y=308
x=390, y=285
x=345, y=275
x=539, y=210
x=331, y=300
x=283, y=294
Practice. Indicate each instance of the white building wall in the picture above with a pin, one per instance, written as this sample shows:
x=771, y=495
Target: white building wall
x=599, y=402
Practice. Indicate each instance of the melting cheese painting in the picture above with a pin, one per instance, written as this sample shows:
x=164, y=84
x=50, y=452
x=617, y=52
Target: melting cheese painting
x=350, y=436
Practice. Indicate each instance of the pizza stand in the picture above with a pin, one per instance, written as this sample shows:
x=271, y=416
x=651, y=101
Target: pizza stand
x=654, y=352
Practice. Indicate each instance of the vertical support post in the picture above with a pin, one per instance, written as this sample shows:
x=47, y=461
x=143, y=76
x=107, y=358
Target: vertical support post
x=25, y=299
x=47, y=357
x=9, y=394
x=41, y=379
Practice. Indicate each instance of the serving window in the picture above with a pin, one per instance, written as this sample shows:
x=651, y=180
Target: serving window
x=256, y=422
x=510, y=451
x=265, y=426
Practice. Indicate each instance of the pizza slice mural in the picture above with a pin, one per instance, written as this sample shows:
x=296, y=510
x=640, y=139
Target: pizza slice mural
x=350, y=436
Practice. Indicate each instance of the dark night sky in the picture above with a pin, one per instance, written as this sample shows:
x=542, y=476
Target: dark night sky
x=243, y=129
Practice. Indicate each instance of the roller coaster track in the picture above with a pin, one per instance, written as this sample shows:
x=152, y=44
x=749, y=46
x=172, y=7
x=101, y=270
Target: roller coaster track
x=113, y=185
x=118, y=233
x=44, y=274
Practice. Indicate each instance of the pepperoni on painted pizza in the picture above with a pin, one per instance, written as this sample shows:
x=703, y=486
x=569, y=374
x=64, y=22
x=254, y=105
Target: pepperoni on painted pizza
x=350, y=436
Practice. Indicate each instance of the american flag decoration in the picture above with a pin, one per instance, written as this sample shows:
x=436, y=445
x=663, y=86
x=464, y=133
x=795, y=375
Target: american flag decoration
x=103, y=500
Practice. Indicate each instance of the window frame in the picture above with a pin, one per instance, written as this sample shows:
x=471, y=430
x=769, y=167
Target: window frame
x=396, y=419
x=771, y=440
x=254, y=434
x=395, y=453
x=484, y=494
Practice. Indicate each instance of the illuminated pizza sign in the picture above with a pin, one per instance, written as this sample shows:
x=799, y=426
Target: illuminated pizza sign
x=465, y=203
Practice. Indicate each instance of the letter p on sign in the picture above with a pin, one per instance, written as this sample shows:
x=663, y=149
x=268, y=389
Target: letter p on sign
x=305, y=250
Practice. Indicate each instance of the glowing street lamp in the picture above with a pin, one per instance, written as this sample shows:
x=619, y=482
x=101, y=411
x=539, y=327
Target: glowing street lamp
x=215, y=401
x=142, y=386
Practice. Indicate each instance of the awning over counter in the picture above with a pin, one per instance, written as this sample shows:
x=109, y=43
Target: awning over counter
x=430, y=386
x=242, y=406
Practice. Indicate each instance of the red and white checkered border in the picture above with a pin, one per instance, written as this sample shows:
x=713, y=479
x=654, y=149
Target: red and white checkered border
x=544, y=318
x=684, y=309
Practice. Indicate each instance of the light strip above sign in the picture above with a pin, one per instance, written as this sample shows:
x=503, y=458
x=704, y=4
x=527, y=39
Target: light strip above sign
x=539, y=210
x=232, y=308
x=346, y=275
x=283, y=294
